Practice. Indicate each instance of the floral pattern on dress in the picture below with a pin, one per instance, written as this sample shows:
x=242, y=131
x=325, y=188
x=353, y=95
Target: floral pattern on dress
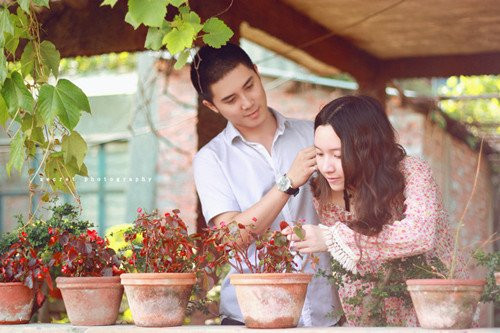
x=424, y=229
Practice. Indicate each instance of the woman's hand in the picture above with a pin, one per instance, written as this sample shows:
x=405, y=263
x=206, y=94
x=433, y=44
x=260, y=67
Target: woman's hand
x=314, y=240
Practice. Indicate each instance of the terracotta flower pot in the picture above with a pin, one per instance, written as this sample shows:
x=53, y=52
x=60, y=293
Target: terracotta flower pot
x=158, y=299
x=16, y=303
x=91, y=301
x=271, y=300
x=497, y=278
x=445, y=304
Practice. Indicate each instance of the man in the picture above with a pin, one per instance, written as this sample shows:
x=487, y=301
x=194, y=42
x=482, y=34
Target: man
x=257, y=167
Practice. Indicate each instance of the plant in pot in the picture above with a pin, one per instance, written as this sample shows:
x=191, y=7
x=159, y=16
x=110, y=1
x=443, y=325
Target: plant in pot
x=445, y=301
x=161, y=268
x=22, y=274
x=90, y=284
x=269, y=287
x=38, y=230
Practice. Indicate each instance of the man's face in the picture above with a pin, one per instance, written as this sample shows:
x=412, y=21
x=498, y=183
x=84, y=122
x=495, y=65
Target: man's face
x=240, y=98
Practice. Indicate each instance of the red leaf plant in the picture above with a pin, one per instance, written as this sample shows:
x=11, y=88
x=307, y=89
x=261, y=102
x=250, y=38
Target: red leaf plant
x=272, y=255
x=160, y=244
x=84, y=255
x=22, y=263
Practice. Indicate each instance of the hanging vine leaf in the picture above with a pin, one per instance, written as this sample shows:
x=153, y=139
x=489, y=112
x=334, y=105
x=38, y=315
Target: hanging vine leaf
x=42, y=3
x=111, y=3
x=6, y=25
x=217, y=32
x=177, y=3
x=16, y=94
x=3, y=68
x=181, y=61
x=50, y=57
x=74, y=146
x=179, y=38
x=24, y=4
x=153, y=39
x=27, y=59
x=4, y=115
x=65, y=100
x=148, y=12
x=17, y=153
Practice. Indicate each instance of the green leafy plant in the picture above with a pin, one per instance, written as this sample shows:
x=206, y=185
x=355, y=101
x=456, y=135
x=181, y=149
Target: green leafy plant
x=39, y=117
x=272, y=248
x=388, y=281
x=491, y=261
x=178, y=34
x=42, y=233
x=85, y=255
x=21, y=263
x=166, y=246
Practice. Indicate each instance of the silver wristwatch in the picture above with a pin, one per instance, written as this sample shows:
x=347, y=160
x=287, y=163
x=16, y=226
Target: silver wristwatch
x=284, y=184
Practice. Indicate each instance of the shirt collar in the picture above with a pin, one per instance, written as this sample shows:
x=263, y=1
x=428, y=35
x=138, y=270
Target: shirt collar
x=232, y=133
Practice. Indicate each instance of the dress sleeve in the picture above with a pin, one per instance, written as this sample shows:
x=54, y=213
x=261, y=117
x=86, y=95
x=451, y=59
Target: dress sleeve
x=414, y=234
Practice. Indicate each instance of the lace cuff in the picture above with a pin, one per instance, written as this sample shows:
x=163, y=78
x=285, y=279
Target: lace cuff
x=338, y=249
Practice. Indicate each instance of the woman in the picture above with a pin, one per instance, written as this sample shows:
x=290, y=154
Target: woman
x=375, y=202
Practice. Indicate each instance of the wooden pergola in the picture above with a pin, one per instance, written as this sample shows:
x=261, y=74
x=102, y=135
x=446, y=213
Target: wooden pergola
x=373, y=41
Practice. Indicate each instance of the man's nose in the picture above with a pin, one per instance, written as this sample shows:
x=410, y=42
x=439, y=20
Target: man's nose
x=246, y=101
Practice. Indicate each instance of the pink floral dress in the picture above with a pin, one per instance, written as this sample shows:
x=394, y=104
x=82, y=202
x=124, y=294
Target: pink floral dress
x=423, y=230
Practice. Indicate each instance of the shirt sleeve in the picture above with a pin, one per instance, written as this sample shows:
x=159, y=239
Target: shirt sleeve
x=214, y=190
x=414, y=234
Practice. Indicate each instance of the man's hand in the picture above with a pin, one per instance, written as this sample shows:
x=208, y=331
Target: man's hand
x=314, y=241
x=302, y=167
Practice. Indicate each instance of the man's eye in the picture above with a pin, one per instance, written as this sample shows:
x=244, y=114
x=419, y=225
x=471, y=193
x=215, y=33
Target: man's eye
x=319, y=154
x=231, y=101
x=249, y=86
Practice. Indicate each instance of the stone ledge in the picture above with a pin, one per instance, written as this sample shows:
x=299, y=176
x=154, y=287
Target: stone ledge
x=67, y=328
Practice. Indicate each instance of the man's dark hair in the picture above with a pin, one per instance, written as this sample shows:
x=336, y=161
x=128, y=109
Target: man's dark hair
x=210, y=65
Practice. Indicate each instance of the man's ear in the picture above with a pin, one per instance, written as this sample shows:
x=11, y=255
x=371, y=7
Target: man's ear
x=210, y=105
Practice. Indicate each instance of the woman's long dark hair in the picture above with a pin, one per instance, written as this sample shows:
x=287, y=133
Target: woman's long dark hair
x=370, y=161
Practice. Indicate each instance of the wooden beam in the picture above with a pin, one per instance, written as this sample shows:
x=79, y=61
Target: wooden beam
x=293, y=28
x=442, y=66
x=90, y=30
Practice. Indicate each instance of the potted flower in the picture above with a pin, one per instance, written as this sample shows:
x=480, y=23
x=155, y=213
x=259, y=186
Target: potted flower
x=90, y=284
x=273, y=293
x=162, y=269
x=445, y=301
x=38, y=231
x=22, y=274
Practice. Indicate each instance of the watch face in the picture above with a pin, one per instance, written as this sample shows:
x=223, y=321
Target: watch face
x=284, y=183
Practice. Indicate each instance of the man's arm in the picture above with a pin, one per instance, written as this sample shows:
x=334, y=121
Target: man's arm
x=267, y=209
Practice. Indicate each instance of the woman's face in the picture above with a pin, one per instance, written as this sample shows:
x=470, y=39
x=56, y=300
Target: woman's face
x=328, y=156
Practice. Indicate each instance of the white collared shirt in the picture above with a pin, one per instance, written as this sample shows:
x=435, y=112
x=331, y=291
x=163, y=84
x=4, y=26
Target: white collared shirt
x=232, y=174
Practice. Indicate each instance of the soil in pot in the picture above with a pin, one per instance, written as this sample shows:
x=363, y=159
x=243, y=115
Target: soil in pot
x=158, y=299
x=271, y=300
x=91, y=301
x=16, y=303
x=445, y=304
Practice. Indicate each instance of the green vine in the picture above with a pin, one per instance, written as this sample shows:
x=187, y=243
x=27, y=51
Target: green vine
x=39, y=117
x=40, y=114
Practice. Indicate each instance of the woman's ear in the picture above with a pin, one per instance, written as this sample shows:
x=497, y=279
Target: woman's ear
x=210, y=105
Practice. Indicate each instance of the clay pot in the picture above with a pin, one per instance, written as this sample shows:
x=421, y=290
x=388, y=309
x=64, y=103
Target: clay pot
x=91, y=301
x=497, y=278
x=158, y=299
x=16, y=303
x=445, y=304
x=271, y=300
